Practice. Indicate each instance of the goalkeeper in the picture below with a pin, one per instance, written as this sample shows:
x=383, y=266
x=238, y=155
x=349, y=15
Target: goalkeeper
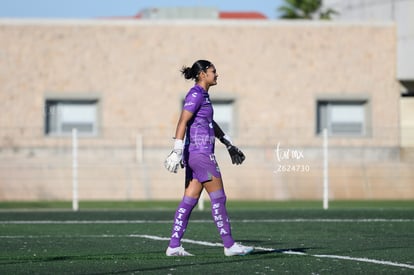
x=196, y=153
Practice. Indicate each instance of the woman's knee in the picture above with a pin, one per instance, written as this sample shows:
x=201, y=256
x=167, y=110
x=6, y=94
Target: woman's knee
x=213, y=185
x=193, y=189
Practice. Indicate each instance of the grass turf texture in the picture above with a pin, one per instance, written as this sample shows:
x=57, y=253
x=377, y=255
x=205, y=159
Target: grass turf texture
x=113, y=246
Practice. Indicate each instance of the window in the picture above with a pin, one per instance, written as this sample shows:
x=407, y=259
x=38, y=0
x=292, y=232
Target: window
x=223, y=115
x=64, y=115
x=342, y=118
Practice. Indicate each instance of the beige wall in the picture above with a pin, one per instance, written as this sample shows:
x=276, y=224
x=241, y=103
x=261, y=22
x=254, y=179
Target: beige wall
x=407, y=121
x=275, y=72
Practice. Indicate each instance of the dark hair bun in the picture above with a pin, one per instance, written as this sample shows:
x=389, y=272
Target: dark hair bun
x=198, y=66
x=186, y=71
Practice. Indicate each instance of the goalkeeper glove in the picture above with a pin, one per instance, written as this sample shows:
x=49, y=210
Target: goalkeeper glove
x=174, y=159
x=237, y=156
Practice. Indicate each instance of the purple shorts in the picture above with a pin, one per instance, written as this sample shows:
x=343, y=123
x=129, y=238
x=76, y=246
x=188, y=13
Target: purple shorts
x=201, y=167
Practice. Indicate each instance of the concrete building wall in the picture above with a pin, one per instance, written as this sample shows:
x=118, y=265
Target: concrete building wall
x=399, y=11
x=407, y=122
x=274, y=72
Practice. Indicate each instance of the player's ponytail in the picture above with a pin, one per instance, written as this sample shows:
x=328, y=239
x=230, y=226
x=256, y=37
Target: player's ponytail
x=193, y=72
x=187, y=73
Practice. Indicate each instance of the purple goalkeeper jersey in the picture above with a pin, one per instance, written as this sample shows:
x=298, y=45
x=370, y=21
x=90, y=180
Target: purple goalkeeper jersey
x=200, y=133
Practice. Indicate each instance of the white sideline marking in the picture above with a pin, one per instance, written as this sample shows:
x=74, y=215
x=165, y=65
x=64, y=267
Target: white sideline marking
x=204, y=243
x=326, y=220
x=366, y=260
x=201, y=221
x=286, y=252
x=167, y=239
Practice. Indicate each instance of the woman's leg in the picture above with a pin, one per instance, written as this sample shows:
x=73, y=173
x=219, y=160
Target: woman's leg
x=183, y=212
x=218, y=210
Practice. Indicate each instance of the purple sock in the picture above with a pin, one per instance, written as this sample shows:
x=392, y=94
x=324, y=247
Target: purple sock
x=182, y=215
x=220, y=217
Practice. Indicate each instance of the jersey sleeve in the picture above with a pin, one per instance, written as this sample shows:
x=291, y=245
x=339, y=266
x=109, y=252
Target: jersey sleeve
x=193, y=101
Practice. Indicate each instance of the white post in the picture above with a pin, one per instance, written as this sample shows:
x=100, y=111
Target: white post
x=325, y=170
x=75, y=203
x=201, y=202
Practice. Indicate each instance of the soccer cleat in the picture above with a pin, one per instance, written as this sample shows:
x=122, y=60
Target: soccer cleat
x=237, y=250
x=177, y=251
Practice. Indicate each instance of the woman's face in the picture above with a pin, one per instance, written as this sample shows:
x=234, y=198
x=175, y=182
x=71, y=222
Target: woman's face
x=211, y=76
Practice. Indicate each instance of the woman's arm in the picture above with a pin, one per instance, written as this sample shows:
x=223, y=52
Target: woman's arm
x=182, y=124
x=217, y=131
x=174, y=159
x=237, y=156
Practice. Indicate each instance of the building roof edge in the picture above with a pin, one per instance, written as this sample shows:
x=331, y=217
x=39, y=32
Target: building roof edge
x=187, y=22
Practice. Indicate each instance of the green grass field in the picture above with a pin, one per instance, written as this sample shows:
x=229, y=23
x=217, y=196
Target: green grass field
x=131, y=237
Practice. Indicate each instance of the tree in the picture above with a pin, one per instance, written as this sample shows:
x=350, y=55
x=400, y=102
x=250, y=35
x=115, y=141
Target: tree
x=305, y=9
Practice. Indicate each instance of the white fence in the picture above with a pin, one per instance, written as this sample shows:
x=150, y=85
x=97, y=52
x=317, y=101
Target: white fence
x=127, y=164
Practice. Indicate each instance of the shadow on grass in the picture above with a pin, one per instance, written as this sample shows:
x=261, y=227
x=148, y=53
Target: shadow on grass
x=254, y=256
x=235, y=259
x=45, y=259
x=282, y=251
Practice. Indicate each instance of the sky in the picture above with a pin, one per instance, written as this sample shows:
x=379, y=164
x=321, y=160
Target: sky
x=89, y=9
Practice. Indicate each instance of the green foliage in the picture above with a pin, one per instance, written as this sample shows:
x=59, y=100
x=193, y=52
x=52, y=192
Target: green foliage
x=305, y=9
